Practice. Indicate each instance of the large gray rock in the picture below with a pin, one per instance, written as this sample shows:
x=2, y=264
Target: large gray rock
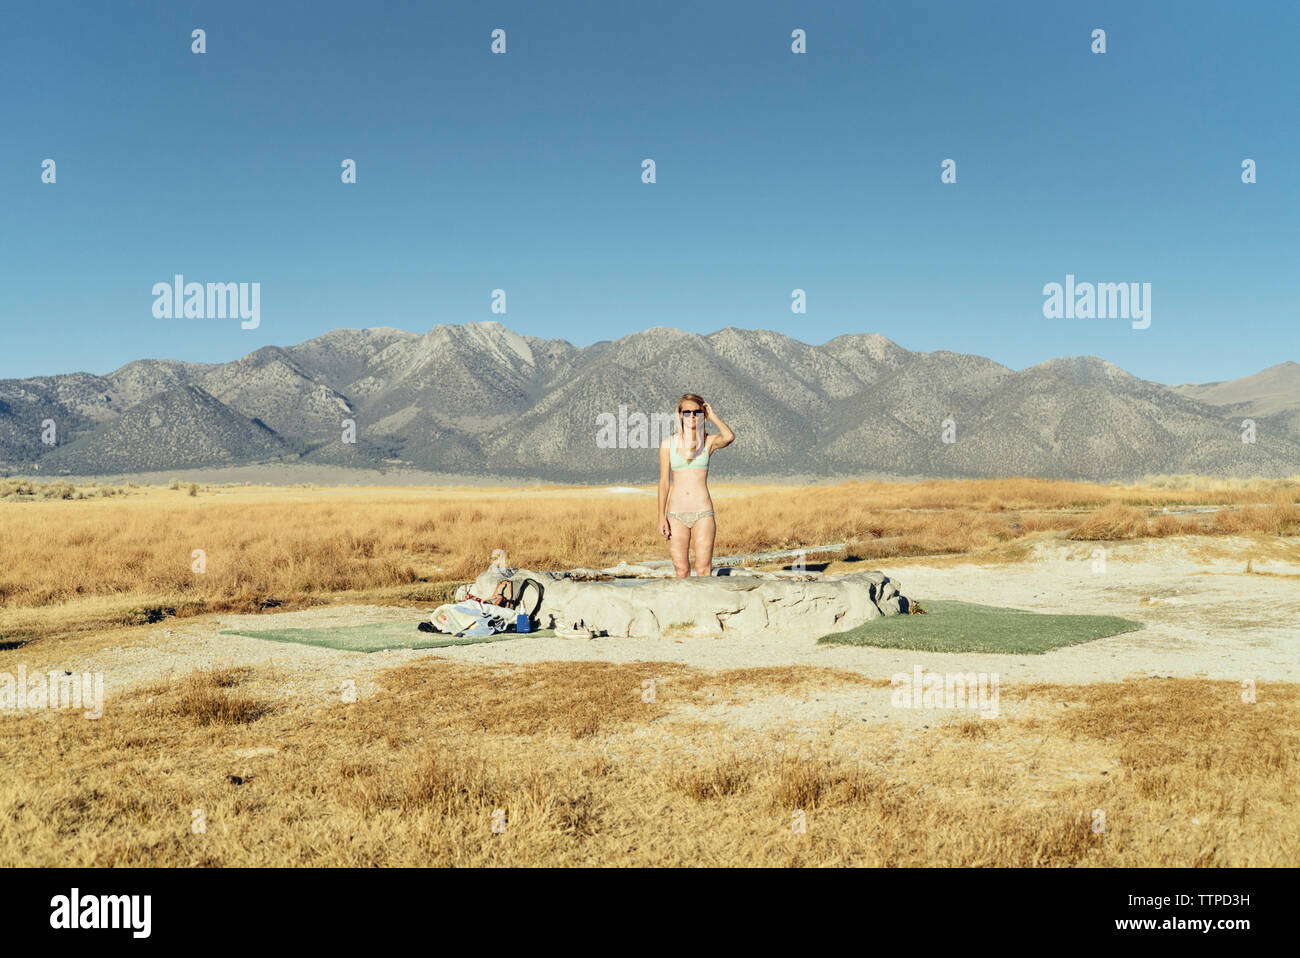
x=646, y=602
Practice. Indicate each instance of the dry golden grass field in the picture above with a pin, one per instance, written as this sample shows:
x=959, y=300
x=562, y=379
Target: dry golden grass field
x=489, y=757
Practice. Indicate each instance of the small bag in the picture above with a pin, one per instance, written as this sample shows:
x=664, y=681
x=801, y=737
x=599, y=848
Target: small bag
x=529, y=600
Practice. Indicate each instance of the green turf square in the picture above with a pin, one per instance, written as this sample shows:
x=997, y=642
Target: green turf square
x=377, y=636
x=951, y=626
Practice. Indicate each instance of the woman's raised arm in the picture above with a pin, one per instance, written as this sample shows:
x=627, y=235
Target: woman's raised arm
x=725, y=436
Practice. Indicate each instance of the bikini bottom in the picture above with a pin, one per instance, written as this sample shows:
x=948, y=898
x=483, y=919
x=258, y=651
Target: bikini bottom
x=688, y=519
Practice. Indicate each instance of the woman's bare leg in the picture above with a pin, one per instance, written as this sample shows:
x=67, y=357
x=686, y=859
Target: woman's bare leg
x=679, y=545
x=704, y=531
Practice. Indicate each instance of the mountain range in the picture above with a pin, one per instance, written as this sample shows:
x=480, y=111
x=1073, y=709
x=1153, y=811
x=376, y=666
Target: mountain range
x=479, y=399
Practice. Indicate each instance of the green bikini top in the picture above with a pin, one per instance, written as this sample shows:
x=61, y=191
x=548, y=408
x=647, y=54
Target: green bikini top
x=678, y=462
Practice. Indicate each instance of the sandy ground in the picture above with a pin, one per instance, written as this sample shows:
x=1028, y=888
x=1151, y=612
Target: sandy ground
x=1209, y=619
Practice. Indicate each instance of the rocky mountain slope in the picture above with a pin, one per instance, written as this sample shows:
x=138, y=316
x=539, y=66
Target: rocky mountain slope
x=480, y=399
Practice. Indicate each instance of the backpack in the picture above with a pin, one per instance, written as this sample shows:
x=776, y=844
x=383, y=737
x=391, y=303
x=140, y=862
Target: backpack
x=523, y=596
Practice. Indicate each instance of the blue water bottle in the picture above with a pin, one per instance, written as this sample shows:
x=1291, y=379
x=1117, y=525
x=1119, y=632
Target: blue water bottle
x=521, y=623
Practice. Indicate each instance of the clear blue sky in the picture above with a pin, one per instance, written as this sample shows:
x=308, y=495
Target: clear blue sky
x=775, y=171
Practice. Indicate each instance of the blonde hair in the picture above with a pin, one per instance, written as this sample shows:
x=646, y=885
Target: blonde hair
x=681, y=426
x=690, y=397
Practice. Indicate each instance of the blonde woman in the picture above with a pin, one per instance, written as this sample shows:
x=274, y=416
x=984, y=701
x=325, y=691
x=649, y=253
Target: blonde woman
x=685, y=508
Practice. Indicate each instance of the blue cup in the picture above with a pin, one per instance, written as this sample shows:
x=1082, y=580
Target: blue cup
x=522, y=624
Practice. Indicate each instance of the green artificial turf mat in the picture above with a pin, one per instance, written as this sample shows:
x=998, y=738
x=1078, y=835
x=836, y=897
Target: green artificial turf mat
x=950, y=626
x=377, y=636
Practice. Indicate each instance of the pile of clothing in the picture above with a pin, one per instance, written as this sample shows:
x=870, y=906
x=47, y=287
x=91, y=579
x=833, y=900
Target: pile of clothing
x=512, y=605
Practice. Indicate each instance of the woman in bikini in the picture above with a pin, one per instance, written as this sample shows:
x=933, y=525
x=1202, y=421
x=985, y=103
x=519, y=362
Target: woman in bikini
x=686, y=512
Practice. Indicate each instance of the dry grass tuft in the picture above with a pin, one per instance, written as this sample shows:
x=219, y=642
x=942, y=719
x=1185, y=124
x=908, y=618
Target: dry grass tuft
x=1115, y=521
x=805, y=782
x=718, y=778
x=205, y=698
x=1281, y=517
x=208, y=707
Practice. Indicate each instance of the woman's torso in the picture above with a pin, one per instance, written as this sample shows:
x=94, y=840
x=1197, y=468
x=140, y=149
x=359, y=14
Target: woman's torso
x=690, y=485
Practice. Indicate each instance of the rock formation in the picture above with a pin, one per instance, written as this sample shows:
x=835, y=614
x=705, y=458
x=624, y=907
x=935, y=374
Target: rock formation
x=630, y=600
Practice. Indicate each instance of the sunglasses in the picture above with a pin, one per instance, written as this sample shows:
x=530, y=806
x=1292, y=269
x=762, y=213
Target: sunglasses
x=692, y=412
